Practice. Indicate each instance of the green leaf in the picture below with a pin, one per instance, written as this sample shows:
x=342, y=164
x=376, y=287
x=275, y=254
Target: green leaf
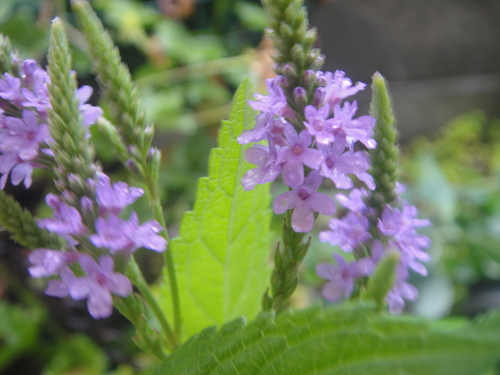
x=348, y=339
x=222, y=253
x=382, y=280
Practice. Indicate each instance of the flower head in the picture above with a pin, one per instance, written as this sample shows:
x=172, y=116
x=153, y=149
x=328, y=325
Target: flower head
x=115, y=198
x=342, y=276
x=24, y=137
x=266, y=159
x=67, y=221
x=90, y=113
x=339, y=87
x=275, y=102
x=295, y=154
x=348, y=232
x=47, y=262
x=127, y=236
x=96, y=287
x=304, y=200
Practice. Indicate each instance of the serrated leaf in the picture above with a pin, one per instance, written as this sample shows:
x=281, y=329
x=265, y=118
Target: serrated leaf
x=222, y=253
x=348, y=339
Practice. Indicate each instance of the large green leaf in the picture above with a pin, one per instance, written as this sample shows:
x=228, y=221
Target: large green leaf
x=222, y=253
x=349, y=339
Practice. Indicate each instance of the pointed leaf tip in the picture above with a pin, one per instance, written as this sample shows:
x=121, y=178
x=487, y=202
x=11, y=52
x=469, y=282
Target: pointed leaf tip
x=382, y=280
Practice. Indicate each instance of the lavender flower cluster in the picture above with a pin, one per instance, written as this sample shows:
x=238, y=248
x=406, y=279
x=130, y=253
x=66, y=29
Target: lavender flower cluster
x=90, y=224
x=111, y=235
x=24, y=134
x=322, y=143
x=395, y=232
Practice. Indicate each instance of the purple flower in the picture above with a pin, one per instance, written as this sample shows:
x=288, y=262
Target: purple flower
x=115, y=198
x=348, y=232
x=400, y=226
x=305, y=201
x=37, y=95
x=295, y=154
x=339, y=87
x=265, y=124
x=317, y=123
x=48, y=262
x=10, y=89
x=395, y=222
x=19, y=170
x=395, y=298
x=117, y=234
x=275, y=103
x=24, y=136
x=337, y=165
x=67, y=221
x=89, y=112
x=355, y=201
x=96, y=287
x=112, y=233
x=28, y=68
x=353, y=130
x=22, y=172
x=266, y=159
x=341, y=277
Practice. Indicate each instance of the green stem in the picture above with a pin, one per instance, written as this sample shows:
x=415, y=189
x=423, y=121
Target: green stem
x=169, y=260
x=284, y=278
x=138, y=280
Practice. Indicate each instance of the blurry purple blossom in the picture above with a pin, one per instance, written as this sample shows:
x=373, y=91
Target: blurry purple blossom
x=114, y=198
x=67, y=221
x=117, y=234
x=23, y=137
x=10, y=89
x=355, y=201
x=19, y=170
x=348, y=232
x=96, y=287
x=37, y=95
x=401, y=291
x=341, y=277
x=28, y=68
x=400, y=226
x=47, y=262
x=90, y=113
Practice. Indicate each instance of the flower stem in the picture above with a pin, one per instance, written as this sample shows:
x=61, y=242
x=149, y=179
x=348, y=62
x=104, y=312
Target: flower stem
x=284, y=277
x=169, y=260
x=137, y=279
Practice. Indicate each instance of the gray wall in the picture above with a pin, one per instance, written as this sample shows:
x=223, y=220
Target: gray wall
x=441, y=57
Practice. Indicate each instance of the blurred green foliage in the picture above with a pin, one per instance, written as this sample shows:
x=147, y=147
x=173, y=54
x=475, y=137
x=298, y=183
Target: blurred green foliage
x=455, y=178
x=19, y=330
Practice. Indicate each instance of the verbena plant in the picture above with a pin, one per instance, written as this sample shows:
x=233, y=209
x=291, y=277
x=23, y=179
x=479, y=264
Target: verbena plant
x=304, y=131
